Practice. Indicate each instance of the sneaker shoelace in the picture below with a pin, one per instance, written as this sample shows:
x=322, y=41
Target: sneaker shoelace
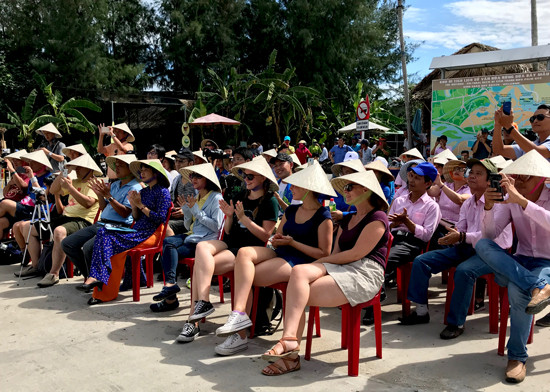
x=199, y=307
x=231, y=340
x=188, y=329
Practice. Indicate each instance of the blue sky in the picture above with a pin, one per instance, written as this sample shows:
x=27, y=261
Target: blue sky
x=441, y=27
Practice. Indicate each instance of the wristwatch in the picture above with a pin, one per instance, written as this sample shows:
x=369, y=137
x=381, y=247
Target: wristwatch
x=110, y=199
x=50, y=154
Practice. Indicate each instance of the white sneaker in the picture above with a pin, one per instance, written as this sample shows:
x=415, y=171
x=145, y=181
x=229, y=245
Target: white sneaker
x=235, y=323
x=232, y=345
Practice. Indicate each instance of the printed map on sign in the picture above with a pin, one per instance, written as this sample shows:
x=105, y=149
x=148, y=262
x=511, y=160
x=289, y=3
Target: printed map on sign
x=463, y=106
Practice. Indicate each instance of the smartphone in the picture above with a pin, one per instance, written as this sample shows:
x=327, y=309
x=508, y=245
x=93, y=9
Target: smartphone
x=105, y=130
x=507, y=107
x=494, y=181
x=65, y=173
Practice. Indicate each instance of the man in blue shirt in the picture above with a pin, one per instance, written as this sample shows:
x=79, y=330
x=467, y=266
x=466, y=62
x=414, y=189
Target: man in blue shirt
x=338, y=152
x=116, y=208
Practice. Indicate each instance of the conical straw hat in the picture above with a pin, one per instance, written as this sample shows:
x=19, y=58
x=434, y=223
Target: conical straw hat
x=16, y=154
x=124, y=127
x=530, y=164
x=171, y=155
x=367, y=179
x=85, y=161
x=269, y=154
x=412, y=153
x=204, y=169
x=505, y=164
x=75, y=147
x=295, y=159
x=450, y=166
x=497, y=159
x=354, y=164
x=155, y=164
x=445, y=154
x=126, y=158
x=49, y=127
x=203, y=143
x=312, y=178
x=301, y=167
x=259, y=166
x=380, y=167
x=405, y=168
x=440, y=160
x=38, y=156
x=199, y=154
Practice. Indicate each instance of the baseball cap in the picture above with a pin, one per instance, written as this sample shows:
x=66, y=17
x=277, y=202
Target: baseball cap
x=185, y=153
x=281, y=157
x=286, y=138
x=487, y=163
x=425, y=169
x=314, y=141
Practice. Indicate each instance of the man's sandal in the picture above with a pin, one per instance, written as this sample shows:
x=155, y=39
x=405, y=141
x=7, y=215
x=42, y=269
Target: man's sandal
x=290, y=365
x=272, y=355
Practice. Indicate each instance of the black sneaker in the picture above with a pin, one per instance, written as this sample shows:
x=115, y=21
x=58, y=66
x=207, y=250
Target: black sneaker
x=202, y=309
x=368, y=317
x=413, y=319
x=164, y=306
x=451, y=332
x=479, y=306
x=166, y=292
x=188, y=333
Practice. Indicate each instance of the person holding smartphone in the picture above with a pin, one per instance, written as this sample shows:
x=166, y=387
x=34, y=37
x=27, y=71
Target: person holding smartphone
x=540, y=123
x=482, y=147
x=121, y=137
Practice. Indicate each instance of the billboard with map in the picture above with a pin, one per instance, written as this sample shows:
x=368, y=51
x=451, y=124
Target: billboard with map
x=463, y=106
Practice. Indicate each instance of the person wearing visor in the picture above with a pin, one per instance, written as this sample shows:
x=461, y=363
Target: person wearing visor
x=303, y=236
x=540, y=123
x=414, y=217
x=459, y=252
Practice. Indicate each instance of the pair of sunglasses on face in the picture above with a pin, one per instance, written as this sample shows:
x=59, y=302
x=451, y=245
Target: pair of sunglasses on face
x=249, y=177
x=195, y=176
x=538, y=117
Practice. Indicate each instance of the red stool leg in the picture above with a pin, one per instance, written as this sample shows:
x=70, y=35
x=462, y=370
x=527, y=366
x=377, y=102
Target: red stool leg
x=255, y=310
x=354, y=340
x=345, y=326
x=504, y=311
x=220, y=286
x=312, y=311
x=377, y=308
x=136, y=269
x=450, y=289
x=492, y=287
x=405, y=278
x=317, y=323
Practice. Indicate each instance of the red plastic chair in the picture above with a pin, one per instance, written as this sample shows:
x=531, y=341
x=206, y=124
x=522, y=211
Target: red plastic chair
x=504, y=312
x=70, y=265
x=149, y=253
x=351, y=327
x=403, y=276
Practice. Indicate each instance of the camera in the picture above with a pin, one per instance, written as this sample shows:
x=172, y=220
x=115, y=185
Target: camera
x=38, y=191
x=214, y=154
x=48, y=180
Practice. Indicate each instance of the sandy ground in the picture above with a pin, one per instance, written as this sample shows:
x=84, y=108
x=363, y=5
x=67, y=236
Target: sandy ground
x=51, y=340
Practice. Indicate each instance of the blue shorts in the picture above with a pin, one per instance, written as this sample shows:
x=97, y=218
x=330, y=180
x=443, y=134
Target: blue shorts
x=292, y=258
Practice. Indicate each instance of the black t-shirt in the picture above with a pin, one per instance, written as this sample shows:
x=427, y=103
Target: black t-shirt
x=259, y=210
x=482, y=152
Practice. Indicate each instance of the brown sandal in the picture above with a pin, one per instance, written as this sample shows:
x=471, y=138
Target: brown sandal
x=271, y=355
x=276, y=370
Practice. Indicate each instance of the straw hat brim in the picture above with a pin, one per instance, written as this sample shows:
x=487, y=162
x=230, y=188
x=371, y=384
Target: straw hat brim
x=87, y=162
x=126, y=158
x=204, y=169
x=366, y=179
x=125, y=128
x=497, y=159
x=199, y=154
x=155, y=164
x=354, y=164
x=412, y=153
x=270, y=154
x=295, y=159
x=259, y=166
x=450, y=166
x=76, y=147
x=16, y=154
x=49, y=127
x=404, y=169
x=530, y=164
x=446, y=154
x=379, y=166
x=312, y=178
x=203, y=143
x=39, y=157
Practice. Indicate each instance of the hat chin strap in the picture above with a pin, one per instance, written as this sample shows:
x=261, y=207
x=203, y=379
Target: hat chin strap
x=538, y=185
x=361, y=198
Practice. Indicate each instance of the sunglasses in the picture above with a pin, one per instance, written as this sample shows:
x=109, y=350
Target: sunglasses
x=348, y=187
x=460, y=169
x=538, y=117
x=249, y=177
x=195, y=176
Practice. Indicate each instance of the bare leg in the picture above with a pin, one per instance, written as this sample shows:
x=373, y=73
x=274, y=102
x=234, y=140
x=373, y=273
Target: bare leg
x=34, y=248
x=245, y=263
x=58, y=256
x=19, y=234
x=7, y=207
x=4, y=225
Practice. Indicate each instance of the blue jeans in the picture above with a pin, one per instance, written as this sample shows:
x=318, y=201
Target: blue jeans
x=521, y=274
x=433, y=262
x=175, y=248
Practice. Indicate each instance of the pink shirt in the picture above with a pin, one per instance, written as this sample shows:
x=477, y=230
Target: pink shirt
x=439, y=149
x=424, y=213
x=532, y=225
x=470, y=222
x=450, y=210
x=404, y=190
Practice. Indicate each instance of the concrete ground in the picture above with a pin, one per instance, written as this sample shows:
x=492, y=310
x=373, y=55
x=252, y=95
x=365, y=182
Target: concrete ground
x=51, y=339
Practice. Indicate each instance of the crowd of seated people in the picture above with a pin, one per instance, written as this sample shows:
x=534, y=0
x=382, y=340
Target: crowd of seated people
x=266, y=220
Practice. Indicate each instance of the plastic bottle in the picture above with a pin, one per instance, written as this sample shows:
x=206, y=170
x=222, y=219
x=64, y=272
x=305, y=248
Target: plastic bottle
x=332, y=205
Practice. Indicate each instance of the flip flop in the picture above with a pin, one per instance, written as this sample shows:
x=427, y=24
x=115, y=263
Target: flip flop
x=278, y=370
x=271, y=355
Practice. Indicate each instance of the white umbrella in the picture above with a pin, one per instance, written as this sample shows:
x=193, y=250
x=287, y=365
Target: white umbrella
x=372, y=126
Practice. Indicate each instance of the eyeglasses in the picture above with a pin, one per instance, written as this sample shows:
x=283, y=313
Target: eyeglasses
x=208, y=145
x=538, y=117
x=152, y=153
x=520, y=177
x=348, y=187
x=460, y=169
x=195, y=176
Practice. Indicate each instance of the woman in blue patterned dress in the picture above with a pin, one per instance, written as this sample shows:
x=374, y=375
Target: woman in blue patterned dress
x=149, y=208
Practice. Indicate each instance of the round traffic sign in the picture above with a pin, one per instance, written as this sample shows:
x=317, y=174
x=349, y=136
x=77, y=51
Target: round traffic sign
x=185, y=141
x=363, y=110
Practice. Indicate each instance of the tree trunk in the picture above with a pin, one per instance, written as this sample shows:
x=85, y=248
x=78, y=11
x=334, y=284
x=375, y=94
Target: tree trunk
x=404, y=67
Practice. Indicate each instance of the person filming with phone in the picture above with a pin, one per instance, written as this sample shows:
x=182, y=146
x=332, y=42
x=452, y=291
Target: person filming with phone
x=482, y=147
x=540, y=123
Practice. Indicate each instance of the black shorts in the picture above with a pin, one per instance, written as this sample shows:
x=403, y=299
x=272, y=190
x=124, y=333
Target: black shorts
x=22, y=213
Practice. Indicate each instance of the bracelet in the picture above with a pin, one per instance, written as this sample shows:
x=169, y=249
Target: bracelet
x=34, y=179
x=143, y=208
x=12, y=173
x=50, y=154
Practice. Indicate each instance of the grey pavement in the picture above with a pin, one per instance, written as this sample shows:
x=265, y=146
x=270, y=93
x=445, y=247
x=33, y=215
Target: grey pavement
x=51, y=340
